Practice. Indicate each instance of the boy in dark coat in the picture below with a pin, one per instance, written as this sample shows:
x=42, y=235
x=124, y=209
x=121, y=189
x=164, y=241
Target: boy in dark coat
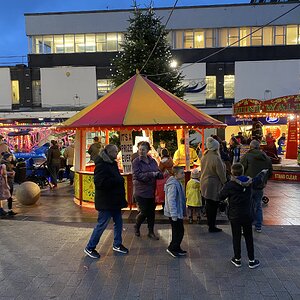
x=241, y=211
x=109, y=200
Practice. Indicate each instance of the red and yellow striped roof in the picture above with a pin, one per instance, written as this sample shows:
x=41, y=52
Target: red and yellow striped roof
x=138, y=104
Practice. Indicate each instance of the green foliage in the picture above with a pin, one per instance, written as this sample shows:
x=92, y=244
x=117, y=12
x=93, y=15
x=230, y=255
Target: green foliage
x=144, y=30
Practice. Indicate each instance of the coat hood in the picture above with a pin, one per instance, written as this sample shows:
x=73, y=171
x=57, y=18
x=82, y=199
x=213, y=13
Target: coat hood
x=243, y=181
x=103, y=156
x=172, y=180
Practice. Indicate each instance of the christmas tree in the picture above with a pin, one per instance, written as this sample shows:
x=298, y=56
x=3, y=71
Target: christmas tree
x=144, y=31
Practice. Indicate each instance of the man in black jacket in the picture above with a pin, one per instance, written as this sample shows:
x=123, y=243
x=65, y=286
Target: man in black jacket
x=241, y=211
x=109, y=200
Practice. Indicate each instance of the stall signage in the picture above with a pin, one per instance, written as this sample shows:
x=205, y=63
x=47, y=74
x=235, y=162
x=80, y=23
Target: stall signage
x=272, y=120
x=286, y=176
x=286, y=104
x=292, y=143
x=126, y=150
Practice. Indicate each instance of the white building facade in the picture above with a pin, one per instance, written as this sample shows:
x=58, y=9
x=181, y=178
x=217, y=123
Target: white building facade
x=226, y=52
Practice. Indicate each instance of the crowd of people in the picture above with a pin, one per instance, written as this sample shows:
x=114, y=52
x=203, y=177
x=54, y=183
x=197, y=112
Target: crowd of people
x=241, y=184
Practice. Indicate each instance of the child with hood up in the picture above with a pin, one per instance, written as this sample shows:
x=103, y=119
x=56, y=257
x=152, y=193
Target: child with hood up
x=241, y=211
x=175, y=210
x=193, y=196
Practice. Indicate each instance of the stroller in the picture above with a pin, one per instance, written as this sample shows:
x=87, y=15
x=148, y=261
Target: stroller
x=39, y=175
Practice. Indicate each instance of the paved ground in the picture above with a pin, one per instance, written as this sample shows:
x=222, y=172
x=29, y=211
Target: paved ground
x=42, y=256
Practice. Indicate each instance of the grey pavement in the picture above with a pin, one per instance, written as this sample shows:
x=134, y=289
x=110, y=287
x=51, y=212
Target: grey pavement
x=41, y=256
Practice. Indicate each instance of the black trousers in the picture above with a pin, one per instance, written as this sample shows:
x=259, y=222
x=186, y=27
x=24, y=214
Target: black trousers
x=236, y=228
x=146, y=211
x=10, y=200
x=211, y=212
x=177, y=234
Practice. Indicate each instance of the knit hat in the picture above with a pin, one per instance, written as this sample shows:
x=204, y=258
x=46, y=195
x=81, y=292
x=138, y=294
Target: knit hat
x=212, y=144
x=195, y=174
x=254, y=144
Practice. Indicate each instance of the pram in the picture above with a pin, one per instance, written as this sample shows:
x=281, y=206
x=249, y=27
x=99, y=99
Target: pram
x=39, y=175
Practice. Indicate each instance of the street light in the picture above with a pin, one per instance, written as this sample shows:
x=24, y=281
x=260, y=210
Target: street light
x=173, y=64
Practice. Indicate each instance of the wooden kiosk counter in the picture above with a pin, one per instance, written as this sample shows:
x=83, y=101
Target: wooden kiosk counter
x=137, y=104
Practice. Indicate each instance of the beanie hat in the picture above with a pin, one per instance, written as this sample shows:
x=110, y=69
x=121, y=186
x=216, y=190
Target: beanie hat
x=254, y=144
x=195, y=174
x=212, y=144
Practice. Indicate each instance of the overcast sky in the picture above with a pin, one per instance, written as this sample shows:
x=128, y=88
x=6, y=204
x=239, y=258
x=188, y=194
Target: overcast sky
x=13, y=41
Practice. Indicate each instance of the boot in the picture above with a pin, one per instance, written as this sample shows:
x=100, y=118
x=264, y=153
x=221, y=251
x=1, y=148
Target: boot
x=137, y=230
x=152, y=236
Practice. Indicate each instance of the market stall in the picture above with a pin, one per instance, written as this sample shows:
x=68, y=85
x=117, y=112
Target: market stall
x=137, y=104
x=282, y=107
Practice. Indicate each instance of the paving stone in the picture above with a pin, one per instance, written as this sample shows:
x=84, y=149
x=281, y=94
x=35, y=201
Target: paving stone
x=49, y=262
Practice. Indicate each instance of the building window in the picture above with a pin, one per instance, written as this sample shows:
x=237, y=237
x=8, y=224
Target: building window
x=178, y=39
x=36, y=92
x=245, y=37
x=101, y=42
x=69, y=43
x=292, y=35
x=268, y=36
x=233, y=37
x=256, y=37
x=103, y=86
x=58, y=44
x=121, y=40
x=199, y=39
x=279, y=35
x=223, y=34
x=48, y=44
x=211, y=88
x=210, y=38
x=90, y=43
x=228, y=86
x=188, y=39
x=38, y=44
x=15, y=92
x=79, y=43
x=112, y=41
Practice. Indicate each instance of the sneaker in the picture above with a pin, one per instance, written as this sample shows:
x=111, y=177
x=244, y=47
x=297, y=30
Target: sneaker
x=258, y=229
x=121, y=249
x=215, y=229
x=172, y=253
x=190, y=220
x=181, y=252
x=11, y=213
x=91, y=253
x=236, y=262
x=253, y=263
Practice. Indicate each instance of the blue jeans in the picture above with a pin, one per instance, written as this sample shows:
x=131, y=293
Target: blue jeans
x=104, y=217
x=256, y=197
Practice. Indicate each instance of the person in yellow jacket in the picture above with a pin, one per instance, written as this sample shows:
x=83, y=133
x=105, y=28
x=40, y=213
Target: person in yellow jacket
x=193, y=196
x=179, y=155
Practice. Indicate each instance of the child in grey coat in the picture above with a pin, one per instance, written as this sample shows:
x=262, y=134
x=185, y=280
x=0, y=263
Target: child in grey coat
x=175, y=209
